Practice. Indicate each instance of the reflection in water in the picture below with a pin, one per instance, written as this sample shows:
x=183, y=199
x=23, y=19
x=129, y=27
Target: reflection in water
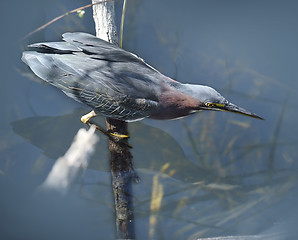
x=222, y=194
x=196, y=200
x=201, y=209
x=54, y=134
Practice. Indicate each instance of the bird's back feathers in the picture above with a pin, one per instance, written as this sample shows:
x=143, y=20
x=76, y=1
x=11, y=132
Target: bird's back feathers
x=103, y=76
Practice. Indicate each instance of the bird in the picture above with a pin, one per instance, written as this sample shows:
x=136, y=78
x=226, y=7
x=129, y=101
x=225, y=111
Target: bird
x=118, y=84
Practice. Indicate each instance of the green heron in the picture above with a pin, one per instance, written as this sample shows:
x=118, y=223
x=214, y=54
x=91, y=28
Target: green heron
x=117, y=83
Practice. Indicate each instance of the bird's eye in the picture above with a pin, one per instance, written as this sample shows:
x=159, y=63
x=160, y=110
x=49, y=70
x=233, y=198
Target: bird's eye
x=214, y=105
x=209, y=104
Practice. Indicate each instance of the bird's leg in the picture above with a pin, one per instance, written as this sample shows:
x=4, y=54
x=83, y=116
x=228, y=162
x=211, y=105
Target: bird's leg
x=86, y=119
x=120, y=135
x=112, y=136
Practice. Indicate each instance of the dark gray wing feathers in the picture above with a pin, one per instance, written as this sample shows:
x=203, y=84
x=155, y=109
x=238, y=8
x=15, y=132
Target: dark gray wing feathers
x=103, y=76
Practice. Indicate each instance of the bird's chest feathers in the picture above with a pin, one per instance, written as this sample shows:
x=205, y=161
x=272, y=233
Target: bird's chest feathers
x=175, y=104
x=176, y=99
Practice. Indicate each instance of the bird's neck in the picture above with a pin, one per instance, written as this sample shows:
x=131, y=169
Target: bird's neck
x=176, y=101
x=185, y=88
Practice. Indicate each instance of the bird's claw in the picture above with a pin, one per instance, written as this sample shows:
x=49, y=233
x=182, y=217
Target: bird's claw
x=85, y=119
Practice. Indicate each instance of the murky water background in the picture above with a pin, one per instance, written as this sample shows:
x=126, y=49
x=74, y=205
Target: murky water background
x=218, y=174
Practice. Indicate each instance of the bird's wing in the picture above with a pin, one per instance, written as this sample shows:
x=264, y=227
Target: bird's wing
x=96, y=48
x=91, y=45
x=56, y=47
x=100, y=48
x=104, y=50
x=112, y=88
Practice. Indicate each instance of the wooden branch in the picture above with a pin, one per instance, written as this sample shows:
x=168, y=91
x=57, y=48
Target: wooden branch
x=121, y=164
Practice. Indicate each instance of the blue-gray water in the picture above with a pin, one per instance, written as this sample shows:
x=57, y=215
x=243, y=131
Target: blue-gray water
x=222, y=174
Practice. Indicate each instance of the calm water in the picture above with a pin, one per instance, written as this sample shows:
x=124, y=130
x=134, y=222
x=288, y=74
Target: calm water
x=219, y=174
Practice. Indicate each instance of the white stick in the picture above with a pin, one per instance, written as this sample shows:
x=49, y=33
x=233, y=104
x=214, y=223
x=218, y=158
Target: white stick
x=104, y=18
x=66, y=168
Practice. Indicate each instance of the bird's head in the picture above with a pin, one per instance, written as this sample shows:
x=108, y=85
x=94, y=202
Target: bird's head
x=210, y=99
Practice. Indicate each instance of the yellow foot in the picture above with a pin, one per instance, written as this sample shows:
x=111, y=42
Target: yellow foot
x=85, y=119
x=119, y=135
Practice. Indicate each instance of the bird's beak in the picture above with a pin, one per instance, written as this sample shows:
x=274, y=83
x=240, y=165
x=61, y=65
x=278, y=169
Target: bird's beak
x=230, y=107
